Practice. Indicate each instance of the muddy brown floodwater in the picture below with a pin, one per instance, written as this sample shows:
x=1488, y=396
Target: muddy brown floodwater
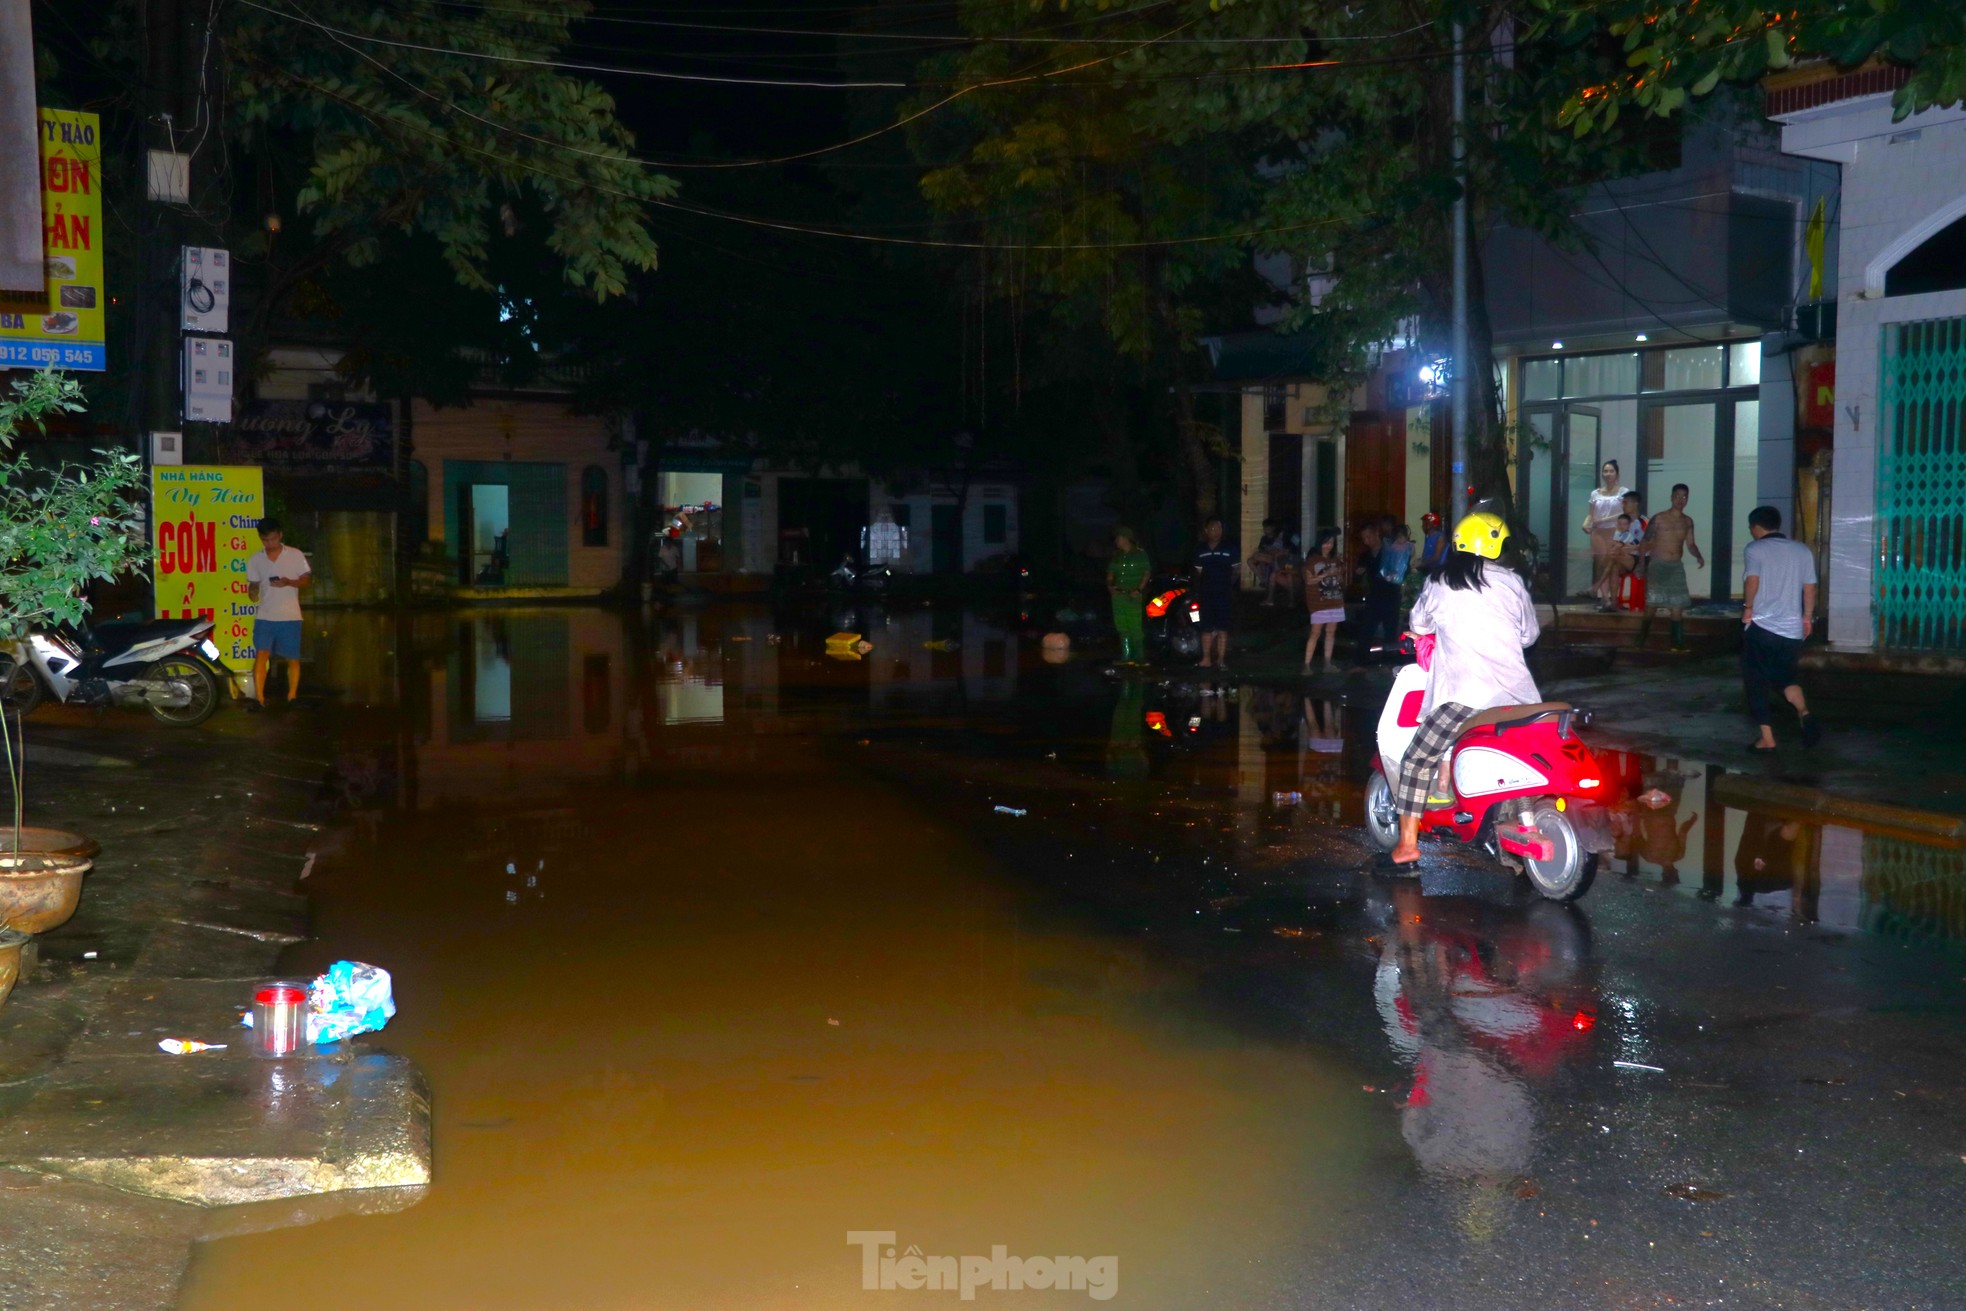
x=697, y=997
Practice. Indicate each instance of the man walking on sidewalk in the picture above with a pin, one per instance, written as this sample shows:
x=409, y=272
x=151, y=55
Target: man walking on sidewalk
x=1780, y=611
x=1668, y=537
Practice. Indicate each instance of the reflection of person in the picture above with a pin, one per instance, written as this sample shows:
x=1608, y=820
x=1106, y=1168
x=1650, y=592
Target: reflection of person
x=1481, y=619
x=1126, y=580
x=1469, y=1117
x=1216, y=563
x=1601, y=521
x=1766, y=859
x=1661, y=838
x=1779, y=612
x=1324, y=594
x=1324, y=727
x=1126, y=753
x=276, y=575
x=1668, y=538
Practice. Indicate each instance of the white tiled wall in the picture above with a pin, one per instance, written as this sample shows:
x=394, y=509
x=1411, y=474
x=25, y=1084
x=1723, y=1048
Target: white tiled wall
x=1896, y=178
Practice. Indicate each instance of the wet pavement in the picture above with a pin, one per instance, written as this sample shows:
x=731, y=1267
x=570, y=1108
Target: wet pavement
x=732, y=966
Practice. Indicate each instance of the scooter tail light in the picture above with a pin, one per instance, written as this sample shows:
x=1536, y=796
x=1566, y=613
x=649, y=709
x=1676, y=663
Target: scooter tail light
x=1588, y=784
x=1583, y=1021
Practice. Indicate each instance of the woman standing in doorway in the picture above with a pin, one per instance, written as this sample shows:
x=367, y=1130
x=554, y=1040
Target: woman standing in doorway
x=1601, y=522
x=1324, y=594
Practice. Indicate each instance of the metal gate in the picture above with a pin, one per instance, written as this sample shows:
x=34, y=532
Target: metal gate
x=1921, y=487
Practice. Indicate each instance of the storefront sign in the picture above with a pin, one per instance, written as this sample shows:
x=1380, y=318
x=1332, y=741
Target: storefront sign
x=312, y=437
x=204, y=527
x=63, y=328
x=1819, y=395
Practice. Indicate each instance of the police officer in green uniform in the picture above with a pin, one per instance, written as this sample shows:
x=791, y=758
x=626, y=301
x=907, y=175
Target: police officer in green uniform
x=1126, y=579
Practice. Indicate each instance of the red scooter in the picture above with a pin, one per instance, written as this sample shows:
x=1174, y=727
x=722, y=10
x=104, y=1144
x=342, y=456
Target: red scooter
x=1524, y=786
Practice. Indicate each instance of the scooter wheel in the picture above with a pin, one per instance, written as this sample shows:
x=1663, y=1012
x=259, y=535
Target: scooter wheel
x=20, y=688
x=1381, y=818
x=1568, y=872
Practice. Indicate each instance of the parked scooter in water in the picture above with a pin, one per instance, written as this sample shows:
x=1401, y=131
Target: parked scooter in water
x=1523, y=786
x=169, y=667
x=849, y=578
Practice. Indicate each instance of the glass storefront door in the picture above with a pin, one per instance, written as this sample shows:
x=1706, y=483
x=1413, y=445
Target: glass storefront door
x=1681, y=442
x=1557, y=467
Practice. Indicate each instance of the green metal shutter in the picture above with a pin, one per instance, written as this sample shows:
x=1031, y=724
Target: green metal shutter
x=540, y=524
x=1921, y=487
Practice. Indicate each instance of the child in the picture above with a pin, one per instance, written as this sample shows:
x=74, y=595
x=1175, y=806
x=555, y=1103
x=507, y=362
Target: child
x=1624, y=554
x=1398, y=557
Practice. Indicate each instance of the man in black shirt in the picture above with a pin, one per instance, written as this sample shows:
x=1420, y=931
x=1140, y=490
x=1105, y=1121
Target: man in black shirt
x=1216, y=563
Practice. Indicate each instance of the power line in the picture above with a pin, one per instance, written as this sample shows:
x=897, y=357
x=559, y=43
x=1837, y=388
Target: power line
x=967, y=38
x=659, y=75
x=775, y=225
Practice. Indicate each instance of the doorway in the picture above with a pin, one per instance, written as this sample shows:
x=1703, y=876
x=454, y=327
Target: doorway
x=945, y=537
x=1557, y=467
x=486, y=511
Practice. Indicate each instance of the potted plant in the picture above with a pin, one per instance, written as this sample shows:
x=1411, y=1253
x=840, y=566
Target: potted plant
x=61, y=528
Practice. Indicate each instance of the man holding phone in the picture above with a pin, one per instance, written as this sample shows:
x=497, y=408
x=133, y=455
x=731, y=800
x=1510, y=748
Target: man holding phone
x=275, y=576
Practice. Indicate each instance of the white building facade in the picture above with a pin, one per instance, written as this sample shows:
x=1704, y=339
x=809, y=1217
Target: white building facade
x=1897, y=576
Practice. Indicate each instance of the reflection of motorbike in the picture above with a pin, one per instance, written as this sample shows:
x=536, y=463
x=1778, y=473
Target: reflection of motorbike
x=166, y=666
x=1486, y=1002
x=1524, y=787
x=1173, y=619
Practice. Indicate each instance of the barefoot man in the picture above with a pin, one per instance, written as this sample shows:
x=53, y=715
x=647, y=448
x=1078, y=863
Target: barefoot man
x=1667, y=539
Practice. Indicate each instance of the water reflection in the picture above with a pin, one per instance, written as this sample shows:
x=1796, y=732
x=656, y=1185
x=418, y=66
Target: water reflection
x=518, y=704
x=1484, y=1003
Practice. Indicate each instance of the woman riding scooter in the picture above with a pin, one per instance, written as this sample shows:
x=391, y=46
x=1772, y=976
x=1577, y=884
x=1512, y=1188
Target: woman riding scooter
x=1481, y=619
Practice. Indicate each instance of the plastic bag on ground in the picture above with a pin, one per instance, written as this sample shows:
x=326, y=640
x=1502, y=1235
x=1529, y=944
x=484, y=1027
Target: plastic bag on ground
x=350, y=998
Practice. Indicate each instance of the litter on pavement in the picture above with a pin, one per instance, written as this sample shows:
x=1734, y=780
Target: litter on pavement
x=186, y=1046
x=1012, y=811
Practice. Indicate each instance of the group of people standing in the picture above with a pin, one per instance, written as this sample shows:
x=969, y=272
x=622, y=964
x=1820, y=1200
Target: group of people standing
x=1389, y=563
x=1625, y=544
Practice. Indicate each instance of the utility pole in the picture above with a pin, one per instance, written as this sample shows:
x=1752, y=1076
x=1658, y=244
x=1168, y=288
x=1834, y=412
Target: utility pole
x=157, y=315
x=1459, y=147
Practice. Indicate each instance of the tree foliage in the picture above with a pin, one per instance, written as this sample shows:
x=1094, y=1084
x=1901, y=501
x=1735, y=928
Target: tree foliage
x=433, y=117
x=1674, y=51
x=1317, y=131
x=63, y=528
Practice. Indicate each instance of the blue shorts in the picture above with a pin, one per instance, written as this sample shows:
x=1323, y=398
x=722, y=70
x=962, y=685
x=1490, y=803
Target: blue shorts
x=277, y=637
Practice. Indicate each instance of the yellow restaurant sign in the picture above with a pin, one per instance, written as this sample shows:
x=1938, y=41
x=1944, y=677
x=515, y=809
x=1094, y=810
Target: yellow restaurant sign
x=205, y=526
x=64, y=328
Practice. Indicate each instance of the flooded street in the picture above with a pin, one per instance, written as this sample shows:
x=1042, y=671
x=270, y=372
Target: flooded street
x=735, y=968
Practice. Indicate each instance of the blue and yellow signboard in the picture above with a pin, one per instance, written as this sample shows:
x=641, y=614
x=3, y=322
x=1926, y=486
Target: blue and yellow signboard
x=63, y=329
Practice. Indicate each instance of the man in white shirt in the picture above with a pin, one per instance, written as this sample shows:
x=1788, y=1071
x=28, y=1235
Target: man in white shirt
x=275, y=576
x=1779, y=589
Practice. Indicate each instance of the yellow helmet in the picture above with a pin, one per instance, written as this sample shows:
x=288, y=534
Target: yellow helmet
x=1482, y=534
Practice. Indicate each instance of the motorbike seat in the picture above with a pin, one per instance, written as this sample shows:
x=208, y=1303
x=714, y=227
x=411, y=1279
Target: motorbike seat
x=1506, y=717
x=119, y=635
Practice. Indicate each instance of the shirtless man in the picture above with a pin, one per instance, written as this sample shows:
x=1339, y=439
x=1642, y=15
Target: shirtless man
x=1667, y=539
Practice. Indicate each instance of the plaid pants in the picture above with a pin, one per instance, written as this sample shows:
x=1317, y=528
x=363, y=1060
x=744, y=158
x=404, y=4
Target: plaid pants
x=1421, y=767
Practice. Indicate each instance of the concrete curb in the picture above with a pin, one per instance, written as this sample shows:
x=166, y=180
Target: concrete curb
x=1745, y=793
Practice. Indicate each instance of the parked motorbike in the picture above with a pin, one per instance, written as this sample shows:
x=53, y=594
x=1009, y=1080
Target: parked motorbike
x=169, y=667
x=849, y=577
x=1173, y=618
x=1524, y=787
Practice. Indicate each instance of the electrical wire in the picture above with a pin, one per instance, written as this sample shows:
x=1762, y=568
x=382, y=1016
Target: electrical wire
x=720, y=164
x=962, y=39
x=800, y=228
x=656, y=74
